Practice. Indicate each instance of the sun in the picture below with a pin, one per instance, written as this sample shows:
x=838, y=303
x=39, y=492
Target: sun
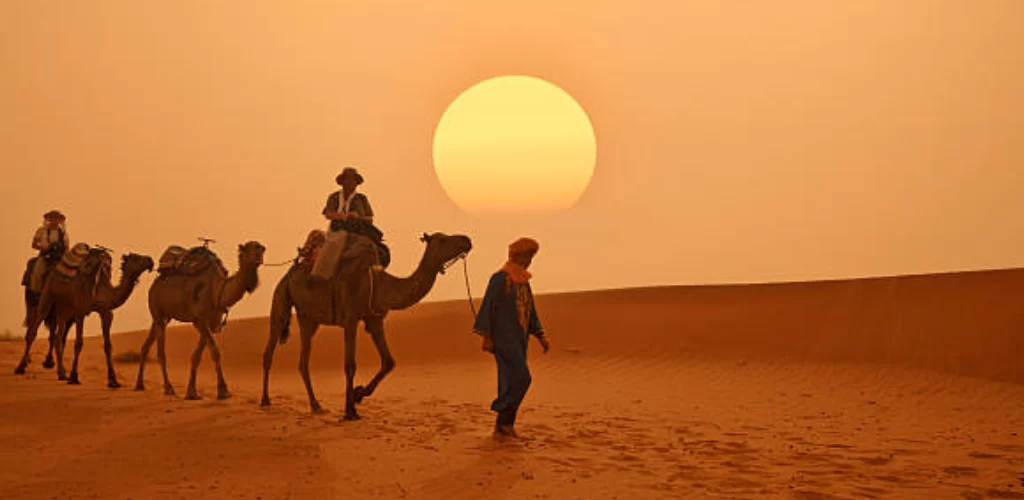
x=513, y=145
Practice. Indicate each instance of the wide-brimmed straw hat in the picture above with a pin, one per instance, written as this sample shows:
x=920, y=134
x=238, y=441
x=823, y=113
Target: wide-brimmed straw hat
x=54, y=214
x=349, y=170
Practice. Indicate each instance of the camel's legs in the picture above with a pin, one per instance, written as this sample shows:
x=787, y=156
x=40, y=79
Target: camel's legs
x=307, y=330
x=63, y=325
x=51, y=325
x=350, y=372
x=268, y=359
x=222, y=385
x=140, y=384
x=197, y=356
x=31, y=310
x=35, y=319
x=107, y=319
x=161, y=352
x=387, y=363
x=79, y=342
x=67, y=330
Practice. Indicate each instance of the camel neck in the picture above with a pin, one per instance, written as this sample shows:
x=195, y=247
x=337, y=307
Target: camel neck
x=245, y=280
x=112, y=297
x=401, y=293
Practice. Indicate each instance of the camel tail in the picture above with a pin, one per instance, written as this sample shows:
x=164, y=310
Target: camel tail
x=281, y=311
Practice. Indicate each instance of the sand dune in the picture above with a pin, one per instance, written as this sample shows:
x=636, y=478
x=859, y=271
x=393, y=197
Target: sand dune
x=902, y=387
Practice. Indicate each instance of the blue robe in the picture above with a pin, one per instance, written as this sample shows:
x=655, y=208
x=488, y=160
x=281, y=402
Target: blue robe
x=499, y=317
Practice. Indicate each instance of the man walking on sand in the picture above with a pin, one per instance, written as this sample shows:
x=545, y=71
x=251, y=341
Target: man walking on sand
x=507, y=319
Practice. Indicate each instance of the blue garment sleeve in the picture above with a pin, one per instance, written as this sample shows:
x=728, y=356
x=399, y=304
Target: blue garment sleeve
x=535, y=327
x=484, y=323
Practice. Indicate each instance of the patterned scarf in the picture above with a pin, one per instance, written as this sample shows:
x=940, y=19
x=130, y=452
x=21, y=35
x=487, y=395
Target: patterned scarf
x=518, y=279
x=517, y=283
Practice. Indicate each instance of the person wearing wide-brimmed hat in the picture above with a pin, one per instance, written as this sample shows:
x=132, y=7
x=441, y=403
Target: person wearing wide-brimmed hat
x=507, y=319
x=344, y=208
x=51, y=240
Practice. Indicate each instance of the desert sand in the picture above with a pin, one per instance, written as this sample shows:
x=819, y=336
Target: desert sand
x=906, y=387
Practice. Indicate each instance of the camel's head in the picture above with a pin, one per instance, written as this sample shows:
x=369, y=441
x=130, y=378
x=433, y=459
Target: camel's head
x=134, y=264
x=442, y=248
x=250, y=254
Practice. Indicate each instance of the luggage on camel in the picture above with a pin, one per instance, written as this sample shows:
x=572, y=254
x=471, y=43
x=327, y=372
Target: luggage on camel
x=178, y=260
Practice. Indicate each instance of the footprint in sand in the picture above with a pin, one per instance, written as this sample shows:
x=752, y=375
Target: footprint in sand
x=738, y=448
x=984, y=456
x=739, y=486
x=814, y=495
x=1004, y=494
x=960, y=471
x=904, y=479
x=559, y=461
x=1009, y=448
x=869, y=492
x=839, y=446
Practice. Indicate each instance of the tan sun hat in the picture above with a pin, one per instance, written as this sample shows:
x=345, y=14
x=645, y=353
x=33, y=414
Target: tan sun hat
x=349, y=170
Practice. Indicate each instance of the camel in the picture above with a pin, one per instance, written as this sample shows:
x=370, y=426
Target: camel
x=358, y=292
x=202, y=297
x=69, y=300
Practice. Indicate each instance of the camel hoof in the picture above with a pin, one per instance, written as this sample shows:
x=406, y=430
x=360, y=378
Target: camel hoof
x=359, y=393
x=48, y=364
x=74, y=381
x=140, y=387
x=223, y=395
x=62, y=377
x=352, y=416
x=265, y=401
x=113, y=384
x=319, y=411
x=193, y=397
x=168, y=391
x=20, y=370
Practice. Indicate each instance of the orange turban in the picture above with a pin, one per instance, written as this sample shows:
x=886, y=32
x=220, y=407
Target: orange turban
x=523, y=246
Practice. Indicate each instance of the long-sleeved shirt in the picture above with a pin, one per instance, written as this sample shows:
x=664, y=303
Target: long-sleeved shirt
x=45, y=237
x=503, y=307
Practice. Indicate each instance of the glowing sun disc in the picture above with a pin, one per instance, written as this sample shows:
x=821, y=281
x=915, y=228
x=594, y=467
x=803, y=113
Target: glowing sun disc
x=514, y=144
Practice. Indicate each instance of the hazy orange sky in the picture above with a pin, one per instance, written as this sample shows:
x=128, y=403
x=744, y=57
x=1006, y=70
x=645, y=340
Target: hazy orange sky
x=737, y=141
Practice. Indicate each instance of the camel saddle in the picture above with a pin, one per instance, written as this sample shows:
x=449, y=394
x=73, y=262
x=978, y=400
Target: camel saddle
x=315, y=241
x=72, y=260
x=177, y=260
x=370, y=232
x=69, y=264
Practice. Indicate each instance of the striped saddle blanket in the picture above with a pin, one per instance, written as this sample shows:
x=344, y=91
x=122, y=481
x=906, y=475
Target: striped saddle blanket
x=72, y=261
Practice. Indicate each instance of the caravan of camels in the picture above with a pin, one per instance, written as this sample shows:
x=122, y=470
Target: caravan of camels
x=64, y=285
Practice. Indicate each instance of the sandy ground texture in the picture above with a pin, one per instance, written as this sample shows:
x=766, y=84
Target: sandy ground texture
x=841, y=390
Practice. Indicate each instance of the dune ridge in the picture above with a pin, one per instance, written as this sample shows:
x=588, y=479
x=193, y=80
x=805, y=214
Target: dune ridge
x=963, y=323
